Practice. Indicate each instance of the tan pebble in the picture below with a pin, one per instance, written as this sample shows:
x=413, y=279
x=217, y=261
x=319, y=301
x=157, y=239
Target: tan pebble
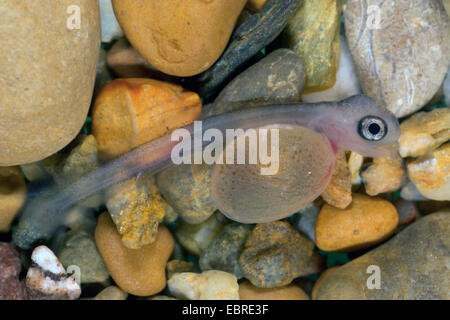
x=430, y=174
x=319, y=281
x=339, y=191
x=140, y=272
x=13, y=194
x=368, y=220
x=247, y=291
x=111, y=293
x=130, y=112
x=355, y=162
x=423, y=132
x=178, y=37
x=383, y=175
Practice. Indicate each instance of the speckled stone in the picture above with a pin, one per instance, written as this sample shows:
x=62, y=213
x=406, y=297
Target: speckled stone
x=413, y=266
x=10, y=286
x=313, y=33
x=47, y=73
x=275, y=254
x=195, y=238
x=423, y=132
x=13, y=193
x=187, y=189
x=430, y=173
x=136, y=208
x=277, y=78
x=339, y=191
x=78, y=248
x=400, y=62
x=257, y=31
x=224, y=250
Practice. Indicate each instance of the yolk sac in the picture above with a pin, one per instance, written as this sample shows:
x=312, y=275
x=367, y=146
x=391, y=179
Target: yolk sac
x=305, y=164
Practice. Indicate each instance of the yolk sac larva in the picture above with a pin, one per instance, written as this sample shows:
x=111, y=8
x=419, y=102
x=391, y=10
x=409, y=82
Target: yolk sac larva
x=306, y=160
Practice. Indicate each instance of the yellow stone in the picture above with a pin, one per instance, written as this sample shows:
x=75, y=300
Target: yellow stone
x=431, y=173
x=383, y=175
x=339, y=191
x=313, y=33
x=423, y=132
x=366, y=221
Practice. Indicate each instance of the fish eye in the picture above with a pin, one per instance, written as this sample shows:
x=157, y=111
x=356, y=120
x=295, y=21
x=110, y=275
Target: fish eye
x=372, y=128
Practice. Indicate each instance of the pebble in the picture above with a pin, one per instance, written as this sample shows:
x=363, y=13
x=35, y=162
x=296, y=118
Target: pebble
x=255, y=5
x=110, y=26
x=48, y=280
x=140, y=272
x=209, y=285
x=423, y=132
x=306, y=220
x=179, y=266
x=130, y=112
x=365, y=222
x=355, y=162
x=277, y=78
x=388, y=71
x=224, y=250
x=111, y=293
x=430, y=173
x=313, y=33
x=137, y=208
x=274, y=254
x=10, y=286
x=413, y=265
x=339, y=191
x=247, y=291
x=81, y=160
x=383, y=175
x=347, y=82
x=407, y=211
x=410, y=192
x=180, y=38
x=77, y=248
x=187, y=189
x=195, y=238
x=13, y=193
x=46, y=88
x=319, y=281
x=252, y=35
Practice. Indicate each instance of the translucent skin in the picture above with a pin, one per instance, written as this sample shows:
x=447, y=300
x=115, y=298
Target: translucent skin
x=337, y=121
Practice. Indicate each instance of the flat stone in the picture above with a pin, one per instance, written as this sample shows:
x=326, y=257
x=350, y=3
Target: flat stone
x=47, y=81
x=257, y=31
x=313, y=33
x=275, y=254
x=413, y=266
x=401, y=63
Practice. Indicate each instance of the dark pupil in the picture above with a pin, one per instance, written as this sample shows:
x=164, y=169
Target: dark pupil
x=374, y=128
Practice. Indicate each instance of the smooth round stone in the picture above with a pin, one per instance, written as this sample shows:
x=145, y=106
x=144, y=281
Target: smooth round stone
x=47, y=72
x=401, y=62
x=247, y=291
x=364, y=222
x=414, y=265
x=140, y=272
x=178, y=37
